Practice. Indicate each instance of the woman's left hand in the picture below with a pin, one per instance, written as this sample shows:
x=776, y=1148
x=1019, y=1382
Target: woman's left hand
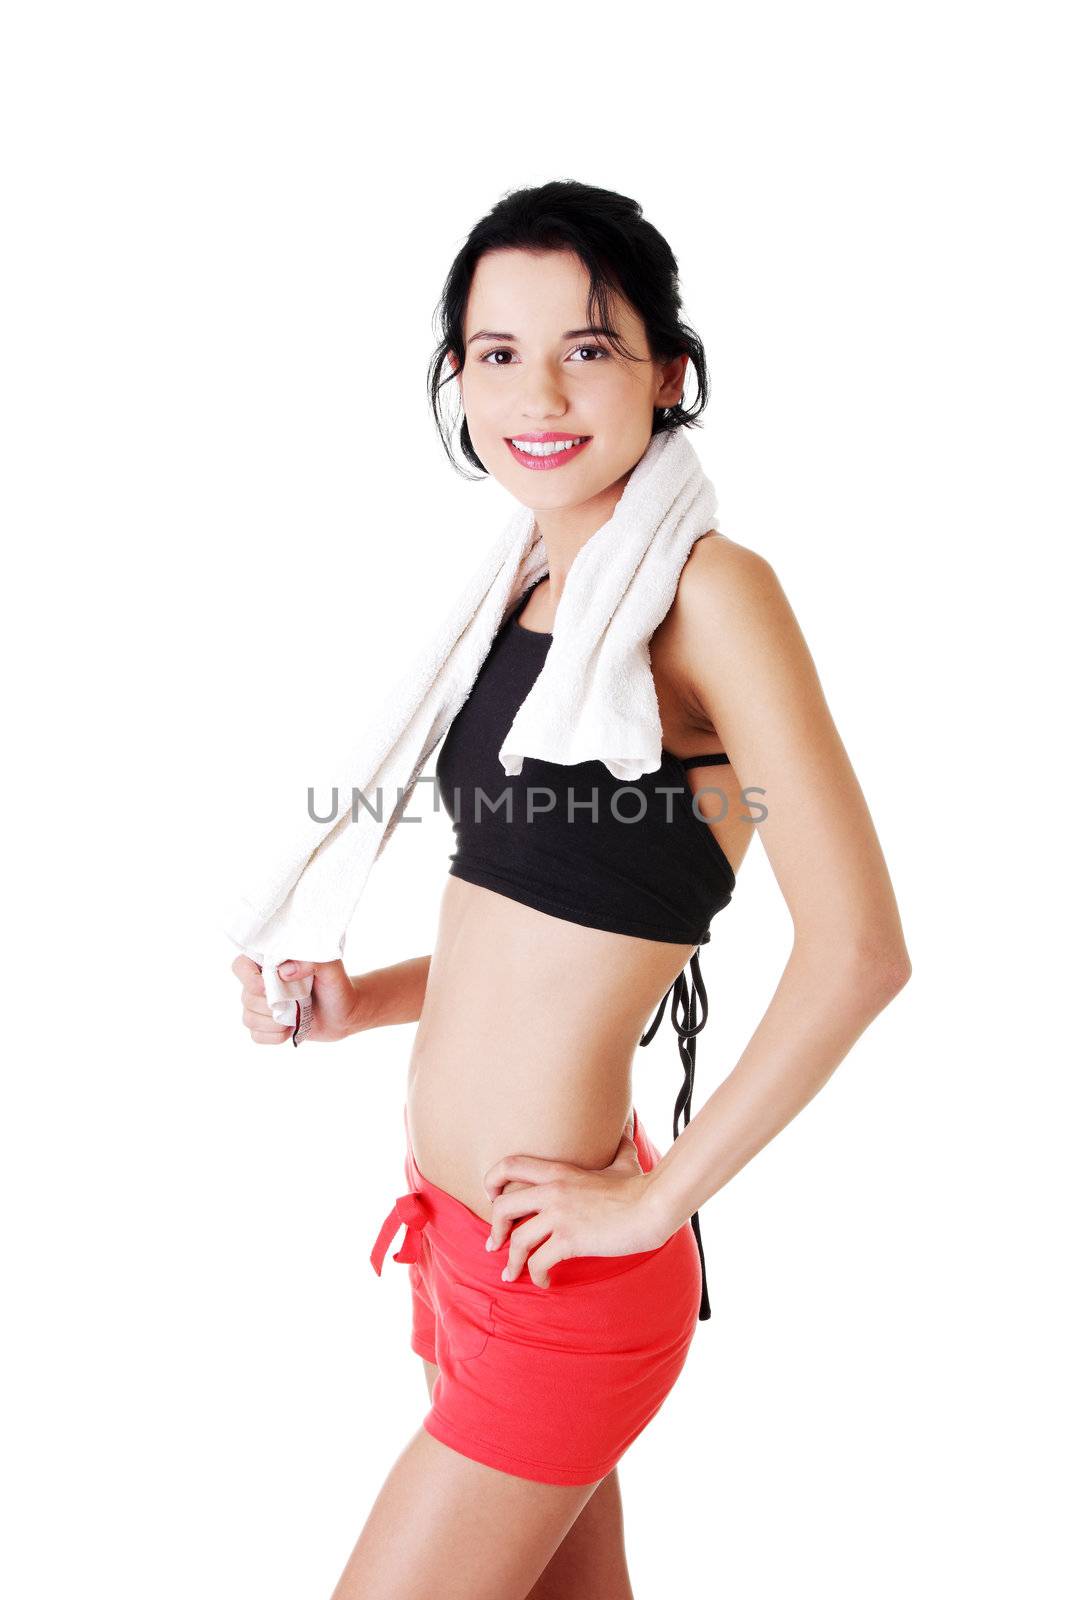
x=572, y=1211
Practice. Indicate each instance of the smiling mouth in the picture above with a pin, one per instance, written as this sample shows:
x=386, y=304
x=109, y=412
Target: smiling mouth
x=548, y=449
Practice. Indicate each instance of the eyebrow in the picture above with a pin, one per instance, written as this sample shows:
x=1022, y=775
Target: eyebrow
x=572, y=333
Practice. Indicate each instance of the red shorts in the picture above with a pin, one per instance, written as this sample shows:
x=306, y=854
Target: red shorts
x=550, y=1384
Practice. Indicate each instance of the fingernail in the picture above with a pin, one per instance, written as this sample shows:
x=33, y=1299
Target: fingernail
x=505, y=1275
x=489, y=1242
x=287, y=969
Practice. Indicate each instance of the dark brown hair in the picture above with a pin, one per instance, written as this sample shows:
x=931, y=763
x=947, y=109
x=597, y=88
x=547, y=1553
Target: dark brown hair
x=622, y=253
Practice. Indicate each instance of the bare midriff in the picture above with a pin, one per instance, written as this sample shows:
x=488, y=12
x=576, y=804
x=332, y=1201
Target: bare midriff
x=529, y=1025
x=527, y=1038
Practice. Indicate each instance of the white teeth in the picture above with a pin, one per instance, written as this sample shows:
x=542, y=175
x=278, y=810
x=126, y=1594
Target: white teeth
x=552, y=448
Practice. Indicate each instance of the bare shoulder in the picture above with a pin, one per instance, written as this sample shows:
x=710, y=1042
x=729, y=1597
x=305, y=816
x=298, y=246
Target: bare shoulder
x=747, y=669
x=718, y=575
x=729, y=604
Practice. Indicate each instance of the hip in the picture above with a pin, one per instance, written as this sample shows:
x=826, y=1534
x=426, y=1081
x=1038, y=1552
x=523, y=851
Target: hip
x=453, y=1237
x=458, y=1127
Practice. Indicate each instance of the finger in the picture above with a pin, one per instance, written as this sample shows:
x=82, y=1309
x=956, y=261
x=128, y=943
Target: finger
x=260, y=1037
x=496, y=1237
x=257, y=1003
x=296, y=969
x=540, y=1263
x=626, y=1154
x=523, y=1240
x=262, y=1024
x=518, y=1203
x=250, y=975
x=528, y=1169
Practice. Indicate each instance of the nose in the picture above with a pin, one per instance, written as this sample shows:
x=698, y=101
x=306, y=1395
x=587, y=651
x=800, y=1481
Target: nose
x=543, y=397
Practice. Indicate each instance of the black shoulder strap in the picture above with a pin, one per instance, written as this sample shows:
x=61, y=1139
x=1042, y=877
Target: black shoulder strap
x=715, y=760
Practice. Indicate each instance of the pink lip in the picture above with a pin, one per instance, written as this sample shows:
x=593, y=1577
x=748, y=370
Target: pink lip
x=547, y=463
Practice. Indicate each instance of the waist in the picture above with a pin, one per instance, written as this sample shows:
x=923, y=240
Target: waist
x=527, y=1038
x=457, y=1134
x=458, y=1232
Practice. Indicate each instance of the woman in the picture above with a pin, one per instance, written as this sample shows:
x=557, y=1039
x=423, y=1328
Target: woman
x=558, y=938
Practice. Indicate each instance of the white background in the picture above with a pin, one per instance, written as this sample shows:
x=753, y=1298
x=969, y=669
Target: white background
x=227, y=515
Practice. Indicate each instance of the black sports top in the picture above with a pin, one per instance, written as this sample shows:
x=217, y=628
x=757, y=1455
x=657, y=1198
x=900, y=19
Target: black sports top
x=577, y=843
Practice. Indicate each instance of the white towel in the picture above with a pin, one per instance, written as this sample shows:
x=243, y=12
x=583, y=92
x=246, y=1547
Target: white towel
x=594, y=700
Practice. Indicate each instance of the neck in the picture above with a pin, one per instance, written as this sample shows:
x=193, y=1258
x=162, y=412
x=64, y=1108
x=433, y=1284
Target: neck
x=565, y=531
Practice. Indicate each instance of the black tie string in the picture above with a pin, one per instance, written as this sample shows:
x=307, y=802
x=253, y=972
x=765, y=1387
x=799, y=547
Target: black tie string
x=686, y=1027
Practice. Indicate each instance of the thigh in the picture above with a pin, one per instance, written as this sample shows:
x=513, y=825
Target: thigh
x=444, y=1527
x=590, y=1560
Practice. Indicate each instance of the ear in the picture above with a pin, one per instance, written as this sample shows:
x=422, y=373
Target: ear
x=672, y=381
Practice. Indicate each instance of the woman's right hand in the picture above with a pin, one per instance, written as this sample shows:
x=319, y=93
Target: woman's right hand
x=336, y=1005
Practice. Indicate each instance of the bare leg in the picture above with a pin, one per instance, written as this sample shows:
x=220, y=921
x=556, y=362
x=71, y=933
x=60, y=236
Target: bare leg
x=590, y=1562
x=447, y=1528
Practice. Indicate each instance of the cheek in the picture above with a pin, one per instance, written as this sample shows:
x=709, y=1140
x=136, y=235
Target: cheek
x=487, y=420
x=624, y=409
x=480, y=394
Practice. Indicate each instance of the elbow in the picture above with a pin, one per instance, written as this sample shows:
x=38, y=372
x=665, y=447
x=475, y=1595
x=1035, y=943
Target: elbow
x=865, y=969
x=877, y=974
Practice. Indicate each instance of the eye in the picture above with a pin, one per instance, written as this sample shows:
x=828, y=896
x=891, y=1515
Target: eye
x=596, y=349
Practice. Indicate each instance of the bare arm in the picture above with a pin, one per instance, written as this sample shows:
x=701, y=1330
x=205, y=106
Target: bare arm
x=390, y=994
x=750, y=670
x=343, y=1003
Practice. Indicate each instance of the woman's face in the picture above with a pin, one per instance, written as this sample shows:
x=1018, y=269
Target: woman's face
x=531, y=370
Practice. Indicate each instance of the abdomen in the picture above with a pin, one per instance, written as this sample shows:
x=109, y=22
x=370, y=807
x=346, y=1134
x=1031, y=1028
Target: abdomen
x=526, y=1040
